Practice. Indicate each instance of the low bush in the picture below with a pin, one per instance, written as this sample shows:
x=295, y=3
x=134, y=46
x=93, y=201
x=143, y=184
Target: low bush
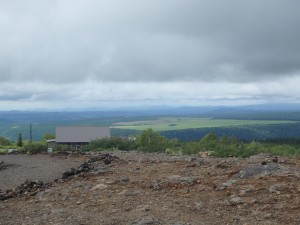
x=61, y=148
x=112, y=143
x=3, y=151
x=174, y=151
x=35, y=148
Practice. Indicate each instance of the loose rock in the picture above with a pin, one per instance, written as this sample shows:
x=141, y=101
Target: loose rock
x=275, y=188
x=124, y=179
x=145, y=222
x=99, y=187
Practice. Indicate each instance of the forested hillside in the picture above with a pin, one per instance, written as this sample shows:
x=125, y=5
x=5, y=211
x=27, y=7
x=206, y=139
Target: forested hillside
x=249, y=133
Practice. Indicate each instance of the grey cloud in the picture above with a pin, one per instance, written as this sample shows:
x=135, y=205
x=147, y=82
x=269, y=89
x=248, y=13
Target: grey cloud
x=14, y=97
x=92, y=94
x=172, y=40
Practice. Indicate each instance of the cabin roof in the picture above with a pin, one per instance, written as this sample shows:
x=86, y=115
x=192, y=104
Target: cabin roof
x=81, y=134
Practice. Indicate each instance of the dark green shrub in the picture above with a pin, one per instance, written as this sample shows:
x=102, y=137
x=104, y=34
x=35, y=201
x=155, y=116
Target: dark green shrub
x=111, y=143
x=150, y=141
x=20, y=140
x=34, y=148
x=209, y=142
x=191, y=148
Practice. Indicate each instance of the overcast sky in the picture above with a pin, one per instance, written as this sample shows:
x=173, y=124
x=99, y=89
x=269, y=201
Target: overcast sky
x=57, y=54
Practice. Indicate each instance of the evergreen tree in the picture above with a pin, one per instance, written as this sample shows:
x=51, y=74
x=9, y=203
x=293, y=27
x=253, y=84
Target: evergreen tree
x=20, y=140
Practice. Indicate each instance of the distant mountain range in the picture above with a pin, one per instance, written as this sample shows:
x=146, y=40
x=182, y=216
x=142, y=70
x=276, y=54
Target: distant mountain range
x=265, y=111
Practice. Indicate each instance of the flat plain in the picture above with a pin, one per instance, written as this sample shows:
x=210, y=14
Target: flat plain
x=180, y=123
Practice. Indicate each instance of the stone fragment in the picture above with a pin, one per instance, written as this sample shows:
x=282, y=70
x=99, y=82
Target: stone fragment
x=176, y=179
x=261, y=170
x=199, y=206
x=225, y=184
x=268, y=216
x=124, y=179
x=107, y=161
x=99, y=187
x=276, y=188
x=154, y=185
x=235, y=200
x=223, y=165
x=64, y=198
x=145, y=222
x=244, y=192
x=133, y=193
x=264, y=162
x=58, y=211
x=275, y=159
x=70, y=173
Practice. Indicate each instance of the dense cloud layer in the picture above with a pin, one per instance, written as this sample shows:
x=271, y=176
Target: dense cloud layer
x=66, y=42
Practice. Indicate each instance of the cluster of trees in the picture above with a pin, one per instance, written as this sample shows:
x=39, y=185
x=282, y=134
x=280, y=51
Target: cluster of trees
x=4, y=142
x=25, y=145
x=224, y=146
x=148, y=140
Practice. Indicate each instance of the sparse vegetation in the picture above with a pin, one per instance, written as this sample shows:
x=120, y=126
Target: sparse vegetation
x=113, y=143
x=61, y=148
x=150, y=141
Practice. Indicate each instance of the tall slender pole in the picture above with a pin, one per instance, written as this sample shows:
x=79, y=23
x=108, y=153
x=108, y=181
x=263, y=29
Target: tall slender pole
x=30, y=134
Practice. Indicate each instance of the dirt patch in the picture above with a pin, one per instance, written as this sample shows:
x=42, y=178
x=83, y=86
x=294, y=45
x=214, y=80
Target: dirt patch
x=140, y=188
x=4, y=166
x=19, y=168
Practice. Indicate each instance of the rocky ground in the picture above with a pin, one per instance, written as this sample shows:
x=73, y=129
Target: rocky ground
x=142, y=188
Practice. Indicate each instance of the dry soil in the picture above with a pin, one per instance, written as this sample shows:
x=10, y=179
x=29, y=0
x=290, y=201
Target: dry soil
x=142, y=188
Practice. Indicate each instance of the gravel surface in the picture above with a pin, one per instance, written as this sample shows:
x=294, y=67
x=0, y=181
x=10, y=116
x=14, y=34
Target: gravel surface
x=137, y=188
x=34, y=167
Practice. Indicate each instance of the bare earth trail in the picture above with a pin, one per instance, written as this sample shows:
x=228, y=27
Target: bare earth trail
x=143, y=188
